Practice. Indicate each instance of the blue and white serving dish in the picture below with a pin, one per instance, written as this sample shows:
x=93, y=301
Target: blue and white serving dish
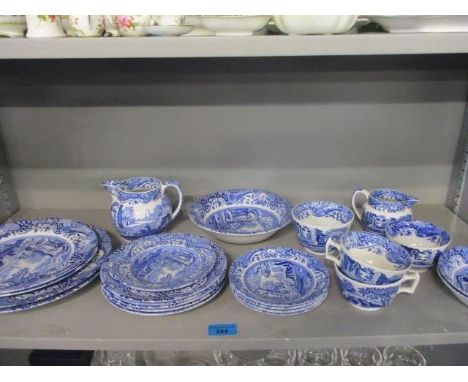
x=424, y=241
x=189, y=271
x=62, y=288
x=374, y=297
x=241, y=216
x=381, y=207
x=315, y=222
x=36, y=253
x=453, y=268
x=279, y=281
x=163, y=262
x=368, y=257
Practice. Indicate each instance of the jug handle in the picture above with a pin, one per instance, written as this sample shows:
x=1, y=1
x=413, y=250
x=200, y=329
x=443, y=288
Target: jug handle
x=358, y=211
x=174, y=184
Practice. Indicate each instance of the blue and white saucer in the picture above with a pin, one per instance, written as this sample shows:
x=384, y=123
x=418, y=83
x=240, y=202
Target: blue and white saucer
x=64, y=287
x=162, y=262
x=282, y=280
x=241, y=216
x=36, y=253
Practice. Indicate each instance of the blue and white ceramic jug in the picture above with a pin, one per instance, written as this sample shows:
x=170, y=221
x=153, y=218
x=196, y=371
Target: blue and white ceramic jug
x=140, y=207
x=382, y=207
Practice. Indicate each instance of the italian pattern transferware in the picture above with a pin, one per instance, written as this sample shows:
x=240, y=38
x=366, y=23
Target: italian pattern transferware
x=64, y=287
x=424, y=241
x=188, y=272
x=279, y=281
x=382, y=207
x=453, y=268
x=36, y=253
x=374, y=297
x=241, y=216
x=368, y=257
x=140, y=207
x=315, y=222
x=163, y=262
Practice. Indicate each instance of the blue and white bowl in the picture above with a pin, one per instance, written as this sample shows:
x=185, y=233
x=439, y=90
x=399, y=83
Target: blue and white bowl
x=241, y=216
x=315, y=222
x=368, y=257
x=453, y=268
x=462, y=297
x=424, y=241
x=374, y=297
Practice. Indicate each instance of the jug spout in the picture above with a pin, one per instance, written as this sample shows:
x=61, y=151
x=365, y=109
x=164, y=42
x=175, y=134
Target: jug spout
x=112, y=186
x=411, y=201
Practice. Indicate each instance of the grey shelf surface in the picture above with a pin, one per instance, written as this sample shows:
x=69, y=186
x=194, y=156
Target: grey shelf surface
x=251, y=46
x=86, y=321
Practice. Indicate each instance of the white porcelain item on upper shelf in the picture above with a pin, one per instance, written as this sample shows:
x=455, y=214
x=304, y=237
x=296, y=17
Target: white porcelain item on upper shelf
x=133, y=25
x=44, y=26
x=234, y=25
x=110, y=26
x=423, y=24
x=85, y=25
x=309, y=24
x=198, y=29
x=168, y=30
x=12, y=26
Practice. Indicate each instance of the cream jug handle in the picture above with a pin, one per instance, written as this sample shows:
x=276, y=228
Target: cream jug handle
x=330, y=254
x=358, y=211
x=174, y=184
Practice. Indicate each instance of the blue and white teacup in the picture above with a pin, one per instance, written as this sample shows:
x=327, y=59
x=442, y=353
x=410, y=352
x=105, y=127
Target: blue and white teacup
x=374, y=297
x=317, y=221
x=368, y=257
x=424, y=241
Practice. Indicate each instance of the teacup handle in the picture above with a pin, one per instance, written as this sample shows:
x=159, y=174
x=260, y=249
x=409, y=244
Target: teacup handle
x=413, y=278
x=330, y=254
x=358, y=211
x=174, y=184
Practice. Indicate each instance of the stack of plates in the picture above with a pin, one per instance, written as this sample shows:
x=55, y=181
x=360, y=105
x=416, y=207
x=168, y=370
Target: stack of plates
x=452, y=268
x=164, y=274
x=279, y=281
x=44, y=260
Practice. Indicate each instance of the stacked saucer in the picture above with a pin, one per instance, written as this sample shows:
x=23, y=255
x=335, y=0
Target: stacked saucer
x=164, y=274
x=45, y=260
x=279, y=281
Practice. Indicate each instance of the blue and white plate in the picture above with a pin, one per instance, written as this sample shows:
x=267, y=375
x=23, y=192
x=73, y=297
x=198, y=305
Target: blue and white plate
x=241, y=216
x=64, y=287
x=137, y=309
x=162, y=262
x=275, y=311
x=462, y=297
x=136, y=296
x=453, y=266
x=39, y=252
x=279, y=277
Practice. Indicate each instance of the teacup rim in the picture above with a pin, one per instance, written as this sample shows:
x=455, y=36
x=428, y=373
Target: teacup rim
x=300, y=221
x=440, y=247
x=386, y=271
x=379, y=286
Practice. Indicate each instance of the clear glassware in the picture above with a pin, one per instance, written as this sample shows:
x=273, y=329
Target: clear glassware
x=361, y=357
x=255, y=357
x=317, y=357
x=114, y=358
x=194, y=358
x=403, y=356
x=159, y=358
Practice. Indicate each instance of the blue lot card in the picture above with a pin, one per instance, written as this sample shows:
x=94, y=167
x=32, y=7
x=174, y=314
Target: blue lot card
x=222, y=329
